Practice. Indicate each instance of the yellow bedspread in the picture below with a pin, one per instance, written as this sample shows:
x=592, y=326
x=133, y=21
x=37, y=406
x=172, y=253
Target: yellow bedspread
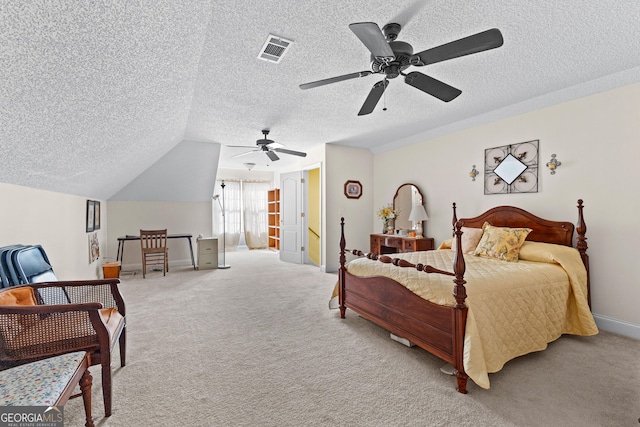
x=514, y=307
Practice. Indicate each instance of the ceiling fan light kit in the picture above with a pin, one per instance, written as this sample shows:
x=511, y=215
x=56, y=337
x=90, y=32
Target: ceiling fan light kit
x=391, y=57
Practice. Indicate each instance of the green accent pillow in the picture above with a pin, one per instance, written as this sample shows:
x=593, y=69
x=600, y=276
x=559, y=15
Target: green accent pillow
x=501, y=242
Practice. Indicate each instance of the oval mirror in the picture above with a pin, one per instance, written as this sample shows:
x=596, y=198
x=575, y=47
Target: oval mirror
x=407, y=196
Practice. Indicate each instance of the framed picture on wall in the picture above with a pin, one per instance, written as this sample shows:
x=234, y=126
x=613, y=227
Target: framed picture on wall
x=90, y=215
x=511, y=168
x=96, y=215
x=353, y=189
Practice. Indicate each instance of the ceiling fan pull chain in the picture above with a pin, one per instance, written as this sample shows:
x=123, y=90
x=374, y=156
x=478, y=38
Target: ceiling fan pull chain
x=384, y=101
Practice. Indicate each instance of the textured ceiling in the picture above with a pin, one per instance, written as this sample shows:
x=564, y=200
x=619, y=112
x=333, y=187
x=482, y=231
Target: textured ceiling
x=93, y=93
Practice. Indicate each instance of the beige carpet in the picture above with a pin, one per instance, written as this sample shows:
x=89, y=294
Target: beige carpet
x=256, y=345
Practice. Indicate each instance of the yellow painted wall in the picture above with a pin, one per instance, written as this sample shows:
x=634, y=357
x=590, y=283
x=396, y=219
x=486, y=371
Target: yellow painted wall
x=314, y=216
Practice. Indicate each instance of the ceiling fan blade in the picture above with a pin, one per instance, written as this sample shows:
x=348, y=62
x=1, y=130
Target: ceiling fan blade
x=240, y=146
x=244, y=154
x=334, y=79
x=404, y=16
x=295, y=153
x=273, y=156
x=373, y=98
x=432, y=86
x=480, y=42
x=371, y=36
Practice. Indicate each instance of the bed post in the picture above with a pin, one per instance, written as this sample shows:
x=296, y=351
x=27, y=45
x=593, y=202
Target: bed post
x=341, y=271
x=454, y=220
x=460, y=311
x=581, y=245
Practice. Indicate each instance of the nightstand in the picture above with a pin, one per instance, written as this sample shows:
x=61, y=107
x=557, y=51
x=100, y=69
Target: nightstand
x=388, y=244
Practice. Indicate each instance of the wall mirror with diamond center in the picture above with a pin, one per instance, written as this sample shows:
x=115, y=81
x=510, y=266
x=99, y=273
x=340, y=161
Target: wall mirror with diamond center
x=511, y=168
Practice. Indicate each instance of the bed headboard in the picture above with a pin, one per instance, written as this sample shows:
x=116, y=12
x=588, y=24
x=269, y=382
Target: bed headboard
x=557, y=232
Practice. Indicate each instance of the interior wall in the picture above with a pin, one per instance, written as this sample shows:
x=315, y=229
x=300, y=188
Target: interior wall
x=127, y=217
x=348, y=164
x=56, y=221
x=595, y=139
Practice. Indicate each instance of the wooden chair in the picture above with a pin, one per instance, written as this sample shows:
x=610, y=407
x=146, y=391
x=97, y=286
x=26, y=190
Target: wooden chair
x=43, y=320
x=153, y=244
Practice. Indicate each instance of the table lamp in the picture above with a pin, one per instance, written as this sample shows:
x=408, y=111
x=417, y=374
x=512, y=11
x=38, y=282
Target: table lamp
x=417, y=215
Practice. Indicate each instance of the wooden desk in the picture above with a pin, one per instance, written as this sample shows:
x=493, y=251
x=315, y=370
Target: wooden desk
x=389, y=243
x=126, y=238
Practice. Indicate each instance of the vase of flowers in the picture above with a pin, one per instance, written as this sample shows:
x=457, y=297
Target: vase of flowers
x=387, y=214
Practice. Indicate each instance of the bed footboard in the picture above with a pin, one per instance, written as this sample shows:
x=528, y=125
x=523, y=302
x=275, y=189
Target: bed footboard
x=434, y=328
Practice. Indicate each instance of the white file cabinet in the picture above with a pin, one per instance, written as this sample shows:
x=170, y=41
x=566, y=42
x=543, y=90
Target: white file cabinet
x=207, y=253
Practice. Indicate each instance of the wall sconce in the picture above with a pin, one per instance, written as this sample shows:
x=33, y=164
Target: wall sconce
x=553, y=164
x=474, y=172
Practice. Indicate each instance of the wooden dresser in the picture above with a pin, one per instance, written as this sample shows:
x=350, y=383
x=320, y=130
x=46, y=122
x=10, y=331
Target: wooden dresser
x=388, y=244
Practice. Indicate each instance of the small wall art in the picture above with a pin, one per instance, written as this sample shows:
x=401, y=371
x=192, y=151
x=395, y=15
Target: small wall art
x=352, y=189
x=90, y=217
x=94, y=247
x=96, y=215
x=511, y=168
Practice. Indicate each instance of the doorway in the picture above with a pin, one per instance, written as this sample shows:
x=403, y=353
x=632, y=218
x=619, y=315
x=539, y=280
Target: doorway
x=301, y=217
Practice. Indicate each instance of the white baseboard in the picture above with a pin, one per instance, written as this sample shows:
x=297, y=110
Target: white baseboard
x=616, y=326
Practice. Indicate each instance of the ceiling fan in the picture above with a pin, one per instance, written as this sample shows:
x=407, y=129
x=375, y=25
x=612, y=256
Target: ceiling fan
x=390, y=57
x=269, y=147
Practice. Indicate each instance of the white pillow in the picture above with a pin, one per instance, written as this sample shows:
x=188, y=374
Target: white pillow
x=470, y=239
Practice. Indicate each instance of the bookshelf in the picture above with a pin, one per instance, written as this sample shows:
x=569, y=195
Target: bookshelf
x=274, y=219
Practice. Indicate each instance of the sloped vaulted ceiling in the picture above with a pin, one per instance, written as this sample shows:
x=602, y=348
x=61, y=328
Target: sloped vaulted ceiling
x=93, y=93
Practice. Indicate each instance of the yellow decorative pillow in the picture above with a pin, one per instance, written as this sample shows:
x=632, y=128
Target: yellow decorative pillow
x=22, y=295
x=501, y=242
x=470, y=238
x=18, y=296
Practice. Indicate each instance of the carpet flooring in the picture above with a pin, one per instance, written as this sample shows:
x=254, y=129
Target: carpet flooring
x=256, y=345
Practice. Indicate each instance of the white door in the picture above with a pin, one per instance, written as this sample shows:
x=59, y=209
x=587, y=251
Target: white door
x=291, y=220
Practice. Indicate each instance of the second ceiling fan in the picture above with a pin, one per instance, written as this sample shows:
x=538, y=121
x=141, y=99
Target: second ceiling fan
x=391, y=57
x=269, y=147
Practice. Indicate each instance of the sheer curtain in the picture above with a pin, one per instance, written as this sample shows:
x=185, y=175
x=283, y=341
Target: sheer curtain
x=246, y=214
x=255, y=214
x=232, y=204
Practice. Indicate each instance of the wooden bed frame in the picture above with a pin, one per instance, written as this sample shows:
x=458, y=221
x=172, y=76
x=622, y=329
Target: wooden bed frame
x=440, y=329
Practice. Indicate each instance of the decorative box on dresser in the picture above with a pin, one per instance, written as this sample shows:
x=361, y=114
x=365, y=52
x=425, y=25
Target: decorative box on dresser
x=207, y=253
x=390, y=243
x=274, y=219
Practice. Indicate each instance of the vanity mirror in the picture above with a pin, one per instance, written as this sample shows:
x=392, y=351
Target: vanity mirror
x=407, y=196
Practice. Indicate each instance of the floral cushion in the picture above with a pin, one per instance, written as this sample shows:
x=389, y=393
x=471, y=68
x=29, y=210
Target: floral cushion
x=501, y=242
x=38, y=383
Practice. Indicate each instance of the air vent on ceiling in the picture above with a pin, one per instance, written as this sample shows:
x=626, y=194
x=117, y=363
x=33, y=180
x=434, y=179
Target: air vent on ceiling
x=274, y=48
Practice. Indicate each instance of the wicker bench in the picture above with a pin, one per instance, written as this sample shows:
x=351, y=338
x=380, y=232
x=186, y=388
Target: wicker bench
x=48, y=382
